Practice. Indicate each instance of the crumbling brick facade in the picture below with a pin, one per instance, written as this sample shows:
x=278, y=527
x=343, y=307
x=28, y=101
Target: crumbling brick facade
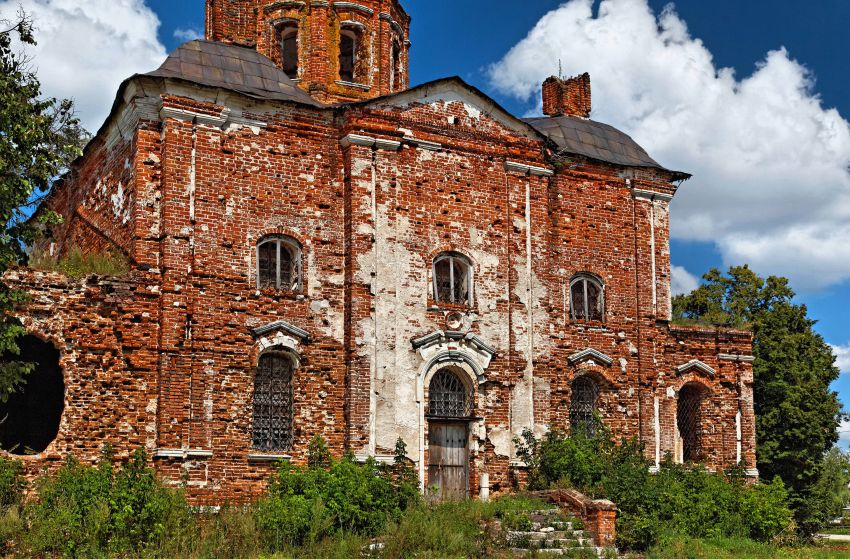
x=189, y=178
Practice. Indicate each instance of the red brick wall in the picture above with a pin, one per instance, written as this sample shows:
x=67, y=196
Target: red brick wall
x=370, y=217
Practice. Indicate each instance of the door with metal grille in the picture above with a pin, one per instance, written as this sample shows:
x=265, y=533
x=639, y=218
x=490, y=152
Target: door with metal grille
x=448, y=459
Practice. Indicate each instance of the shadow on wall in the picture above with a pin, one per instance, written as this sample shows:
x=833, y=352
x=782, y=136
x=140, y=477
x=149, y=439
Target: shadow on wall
x=29, y=421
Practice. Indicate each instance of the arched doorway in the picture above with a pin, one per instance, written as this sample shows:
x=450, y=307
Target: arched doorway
x=449, y=411
x=31, y=416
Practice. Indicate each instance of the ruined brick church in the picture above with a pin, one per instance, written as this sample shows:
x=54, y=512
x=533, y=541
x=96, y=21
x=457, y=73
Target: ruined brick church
x=318, y=249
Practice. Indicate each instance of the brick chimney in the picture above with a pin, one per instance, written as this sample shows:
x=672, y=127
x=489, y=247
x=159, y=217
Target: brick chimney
x=570, y=97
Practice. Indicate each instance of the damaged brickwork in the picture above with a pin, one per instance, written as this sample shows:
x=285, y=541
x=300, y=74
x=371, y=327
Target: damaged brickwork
x=188, y=176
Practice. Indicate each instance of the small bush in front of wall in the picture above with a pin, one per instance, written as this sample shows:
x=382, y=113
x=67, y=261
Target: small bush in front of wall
x=686, y=500
x=305, y=504
x=89, y=511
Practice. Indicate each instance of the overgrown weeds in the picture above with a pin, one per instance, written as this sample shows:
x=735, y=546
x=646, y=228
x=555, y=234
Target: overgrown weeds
x=76, y=264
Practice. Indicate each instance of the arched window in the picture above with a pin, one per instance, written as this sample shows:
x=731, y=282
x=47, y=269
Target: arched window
x=583, y=405
x=272, y=426
x=453, y=279
x=279, y=263
x=348, y=40
x=587, y=298
x=447, y=396
x=689, y=423
x=289, y=49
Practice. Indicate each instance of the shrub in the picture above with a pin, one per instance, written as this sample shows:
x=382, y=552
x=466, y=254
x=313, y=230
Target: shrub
x=86, y=511
x=679, y=499
x=12, y=483
x=305, y=504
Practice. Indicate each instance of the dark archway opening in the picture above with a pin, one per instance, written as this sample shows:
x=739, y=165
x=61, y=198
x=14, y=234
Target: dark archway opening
x=29, y=421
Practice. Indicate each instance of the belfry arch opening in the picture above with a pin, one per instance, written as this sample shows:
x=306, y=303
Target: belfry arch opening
x=29, y=420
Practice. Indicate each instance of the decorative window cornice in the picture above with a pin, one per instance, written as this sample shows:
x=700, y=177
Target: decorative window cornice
x=651, y=195
x=353, y=6
x=590, y=353
x=698, y=365
x=281, y=326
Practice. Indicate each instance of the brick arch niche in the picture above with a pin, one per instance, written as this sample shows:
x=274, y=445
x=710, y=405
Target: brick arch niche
x=33, y=412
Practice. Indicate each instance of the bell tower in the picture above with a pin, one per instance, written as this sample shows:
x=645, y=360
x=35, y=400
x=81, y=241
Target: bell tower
x=336, y=51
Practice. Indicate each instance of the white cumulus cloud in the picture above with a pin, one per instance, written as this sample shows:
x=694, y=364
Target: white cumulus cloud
x=771, y=184
x=842, y=352
x=187, y=35
x=86, y=48
x=844, y=435
x=682, y=281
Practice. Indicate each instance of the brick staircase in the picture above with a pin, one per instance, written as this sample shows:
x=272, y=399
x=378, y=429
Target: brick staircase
x=551, y=532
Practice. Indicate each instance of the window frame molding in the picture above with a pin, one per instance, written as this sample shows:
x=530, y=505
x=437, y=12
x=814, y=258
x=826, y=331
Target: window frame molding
x=297, y=252
x=451, y=255
x=356, y=31
x=588, y=277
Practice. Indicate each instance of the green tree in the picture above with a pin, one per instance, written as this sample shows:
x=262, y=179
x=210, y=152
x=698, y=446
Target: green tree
x=39, y=137
x=797, y=414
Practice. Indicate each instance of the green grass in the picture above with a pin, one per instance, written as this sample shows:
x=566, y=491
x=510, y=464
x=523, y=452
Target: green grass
x=687, y=548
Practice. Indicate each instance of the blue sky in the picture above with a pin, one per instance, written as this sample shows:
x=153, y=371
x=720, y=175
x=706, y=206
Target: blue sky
x=750, y=96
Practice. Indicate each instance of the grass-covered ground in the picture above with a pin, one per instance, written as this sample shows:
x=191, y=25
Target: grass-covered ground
x=685, y=548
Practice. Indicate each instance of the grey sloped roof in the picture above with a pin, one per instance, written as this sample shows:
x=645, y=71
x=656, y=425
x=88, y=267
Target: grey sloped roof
x=595, y=140
x=231, y=67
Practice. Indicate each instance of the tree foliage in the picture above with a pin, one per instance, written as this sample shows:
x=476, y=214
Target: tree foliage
x=39, y=137
x=797, y=414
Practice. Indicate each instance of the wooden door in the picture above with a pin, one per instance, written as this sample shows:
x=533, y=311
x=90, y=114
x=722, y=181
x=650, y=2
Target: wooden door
x=448, y=460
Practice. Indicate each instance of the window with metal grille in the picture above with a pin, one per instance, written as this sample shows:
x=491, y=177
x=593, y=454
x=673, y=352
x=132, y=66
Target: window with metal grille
x=689, y=423
x=279, y=263
x=448, y=397
x=273, y=403
x=587, y=298
x=453, y=279
x=289, y=49
x=583, y=405
x=347, y=54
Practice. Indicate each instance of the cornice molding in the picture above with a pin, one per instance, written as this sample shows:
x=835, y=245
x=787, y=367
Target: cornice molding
x=651, y=195
x=369, y=142
x=525, y=169
x=737, y=358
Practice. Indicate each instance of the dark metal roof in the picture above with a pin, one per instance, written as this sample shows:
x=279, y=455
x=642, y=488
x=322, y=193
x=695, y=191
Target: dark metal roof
x=595, y=140
x=231, y=67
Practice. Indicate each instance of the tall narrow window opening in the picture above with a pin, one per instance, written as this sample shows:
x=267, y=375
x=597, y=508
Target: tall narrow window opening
x=587, y=298
x=448, y=397
x=396, y=80
x=273, y=394
x=279, y=263
x=689, y=423
x=347, y=54
x=453, y=279
x=289, y=49
x=585, y=395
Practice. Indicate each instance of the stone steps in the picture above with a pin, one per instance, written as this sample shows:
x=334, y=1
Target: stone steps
x=552, y=534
